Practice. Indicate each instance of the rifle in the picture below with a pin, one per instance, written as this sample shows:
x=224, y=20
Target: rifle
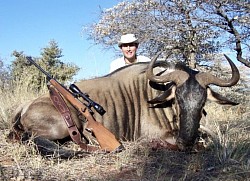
x=105, y=138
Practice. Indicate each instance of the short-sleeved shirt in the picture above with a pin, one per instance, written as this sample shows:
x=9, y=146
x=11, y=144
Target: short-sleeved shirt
x=120, y=62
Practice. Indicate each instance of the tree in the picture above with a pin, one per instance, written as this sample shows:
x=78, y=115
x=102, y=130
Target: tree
x=232, y=18
x=25, y=74
x=51, y=60
x=19, y=67
x=192, y=31
x=4, y=75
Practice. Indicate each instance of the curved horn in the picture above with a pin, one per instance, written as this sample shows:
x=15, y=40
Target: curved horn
x=177, y=76
x=206, y=78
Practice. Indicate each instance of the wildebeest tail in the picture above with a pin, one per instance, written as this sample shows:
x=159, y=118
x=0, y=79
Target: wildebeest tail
x=17, y=129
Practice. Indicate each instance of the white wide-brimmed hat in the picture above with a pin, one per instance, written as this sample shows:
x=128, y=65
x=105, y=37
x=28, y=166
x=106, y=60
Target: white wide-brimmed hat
x=128, y=38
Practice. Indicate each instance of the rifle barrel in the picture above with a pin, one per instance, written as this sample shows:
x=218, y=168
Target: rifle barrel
x=37, y=66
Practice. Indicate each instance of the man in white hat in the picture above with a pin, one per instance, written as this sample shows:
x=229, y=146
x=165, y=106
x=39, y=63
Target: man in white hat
x=128, y=45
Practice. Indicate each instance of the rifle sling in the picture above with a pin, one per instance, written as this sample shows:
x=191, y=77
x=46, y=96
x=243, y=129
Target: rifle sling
x=63, y=109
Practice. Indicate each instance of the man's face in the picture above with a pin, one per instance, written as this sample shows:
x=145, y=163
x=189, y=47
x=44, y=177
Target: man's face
x=129, y=50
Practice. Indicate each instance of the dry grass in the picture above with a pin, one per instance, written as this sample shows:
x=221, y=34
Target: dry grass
x=226, y=158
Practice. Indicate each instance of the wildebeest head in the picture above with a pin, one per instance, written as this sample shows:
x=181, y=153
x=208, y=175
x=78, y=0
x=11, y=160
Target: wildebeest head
x=189, y=90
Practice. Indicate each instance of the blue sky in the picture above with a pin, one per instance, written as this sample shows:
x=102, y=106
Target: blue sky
x=29, y=25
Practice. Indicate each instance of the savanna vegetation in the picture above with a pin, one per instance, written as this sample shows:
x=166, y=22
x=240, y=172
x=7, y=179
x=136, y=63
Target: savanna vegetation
x=195, y=32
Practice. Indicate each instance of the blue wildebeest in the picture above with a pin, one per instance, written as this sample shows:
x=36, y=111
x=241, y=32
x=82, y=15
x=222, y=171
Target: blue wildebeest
x=153, y=100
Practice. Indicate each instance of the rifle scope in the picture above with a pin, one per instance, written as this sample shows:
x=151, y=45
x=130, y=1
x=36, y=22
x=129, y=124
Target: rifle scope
x=78, y=92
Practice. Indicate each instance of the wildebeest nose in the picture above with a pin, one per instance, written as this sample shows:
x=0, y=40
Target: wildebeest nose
x=183, y=146
x=180, y=144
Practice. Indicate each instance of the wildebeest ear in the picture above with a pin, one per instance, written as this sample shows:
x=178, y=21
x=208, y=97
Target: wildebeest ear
x=215, y=97
x=165, y=96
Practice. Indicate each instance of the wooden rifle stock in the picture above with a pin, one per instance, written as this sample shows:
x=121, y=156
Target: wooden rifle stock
x=105, y=138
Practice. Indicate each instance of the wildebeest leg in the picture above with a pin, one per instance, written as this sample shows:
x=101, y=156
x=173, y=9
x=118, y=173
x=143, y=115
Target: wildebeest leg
x=49, y=148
